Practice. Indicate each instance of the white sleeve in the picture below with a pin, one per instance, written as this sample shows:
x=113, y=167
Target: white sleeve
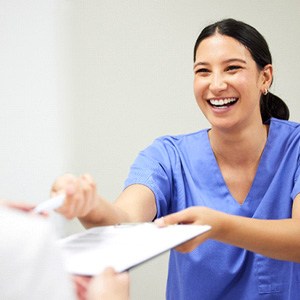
x=31, y=264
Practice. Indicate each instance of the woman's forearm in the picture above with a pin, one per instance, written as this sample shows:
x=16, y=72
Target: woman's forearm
x=279, y=239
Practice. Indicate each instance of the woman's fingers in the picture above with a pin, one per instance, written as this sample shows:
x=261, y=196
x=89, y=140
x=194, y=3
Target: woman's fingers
x=185, y=216
x=61, y=183
x=88, y=189
x=81, y=196
x=194, y=215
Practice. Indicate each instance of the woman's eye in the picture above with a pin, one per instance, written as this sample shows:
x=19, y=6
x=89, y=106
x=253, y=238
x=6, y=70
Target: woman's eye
x=202, y=71
x=233, y=68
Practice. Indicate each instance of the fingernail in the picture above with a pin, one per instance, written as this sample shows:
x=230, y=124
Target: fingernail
x=160, y=221
x=70, y=189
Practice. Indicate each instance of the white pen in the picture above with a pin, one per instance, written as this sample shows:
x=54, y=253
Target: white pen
x=50, y=204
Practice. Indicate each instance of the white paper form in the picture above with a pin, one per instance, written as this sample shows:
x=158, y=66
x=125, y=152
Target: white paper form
x=122, y=246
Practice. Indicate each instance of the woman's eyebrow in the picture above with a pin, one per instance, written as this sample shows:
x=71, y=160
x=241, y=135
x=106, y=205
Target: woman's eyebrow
x=235, y=60
x=225, y=61
x=200, y=63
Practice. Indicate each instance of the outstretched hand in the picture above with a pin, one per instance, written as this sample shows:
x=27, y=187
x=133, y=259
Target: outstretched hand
x=196, y=215
x=81, y=196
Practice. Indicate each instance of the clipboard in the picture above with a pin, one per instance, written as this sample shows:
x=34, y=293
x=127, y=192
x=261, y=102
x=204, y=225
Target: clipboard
x=122, y=246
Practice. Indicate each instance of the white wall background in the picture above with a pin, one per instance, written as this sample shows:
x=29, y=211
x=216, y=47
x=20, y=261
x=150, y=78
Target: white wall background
x=86, y=84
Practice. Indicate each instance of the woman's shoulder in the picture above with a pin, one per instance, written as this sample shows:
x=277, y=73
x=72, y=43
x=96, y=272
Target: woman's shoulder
x=284, y=127
x=180, y=143
x=187, y=137
x=284, y=131
x=183, y=141
x=284, y=124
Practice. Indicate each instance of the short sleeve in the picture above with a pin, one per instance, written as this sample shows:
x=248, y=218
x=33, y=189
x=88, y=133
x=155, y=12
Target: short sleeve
x=296, y=187
x=152, y=168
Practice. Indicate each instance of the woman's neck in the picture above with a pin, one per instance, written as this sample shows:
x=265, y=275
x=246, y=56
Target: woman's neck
x=240, y=147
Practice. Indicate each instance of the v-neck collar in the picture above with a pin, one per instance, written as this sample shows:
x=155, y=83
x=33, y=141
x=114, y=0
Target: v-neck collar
x=258, y=186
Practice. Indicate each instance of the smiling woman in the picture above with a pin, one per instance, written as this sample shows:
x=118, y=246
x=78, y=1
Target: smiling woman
x=255, y=44
x=241, y=176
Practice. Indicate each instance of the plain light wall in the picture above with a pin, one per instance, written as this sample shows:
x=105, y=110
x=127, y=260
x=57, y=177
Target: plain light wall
x=33, y=115
x=87, y=84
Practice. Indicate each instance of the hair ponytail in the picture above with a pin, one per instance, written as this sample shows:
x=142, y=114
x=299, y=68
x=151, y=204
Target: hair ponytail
x=272, y=106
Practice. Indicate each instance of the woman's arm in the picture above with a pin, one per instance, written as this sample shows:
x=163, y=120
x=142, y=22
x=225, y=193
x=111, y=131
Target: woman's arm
x=279, y=239
x=135, y=204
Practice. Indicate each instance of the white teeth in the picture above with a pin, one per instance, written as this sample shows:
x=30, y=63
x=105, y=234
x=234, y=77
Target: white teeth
x=222, y=101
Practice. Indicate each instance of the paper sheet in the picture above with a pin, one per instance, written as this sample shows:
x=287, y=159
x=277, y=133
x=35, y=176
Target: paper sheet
x=122, y=246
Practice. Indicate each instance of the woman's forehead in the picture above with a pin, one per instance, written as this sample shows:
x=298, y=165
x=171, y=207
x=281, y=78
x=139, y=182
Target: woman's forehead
x=219, y=45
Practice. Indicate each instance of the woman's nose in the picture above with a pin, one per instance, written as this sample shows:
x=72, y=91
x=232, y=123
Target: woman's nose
x=217, y=83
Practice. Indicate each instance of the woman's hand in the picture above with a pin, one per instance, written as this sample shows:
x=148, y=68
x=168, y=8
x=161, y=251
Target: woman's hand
x=196, y=215
x=81, y=195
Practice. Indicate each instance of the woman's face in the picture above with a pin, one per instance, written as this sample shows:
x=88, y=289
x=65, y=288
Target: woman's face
x=227, y=82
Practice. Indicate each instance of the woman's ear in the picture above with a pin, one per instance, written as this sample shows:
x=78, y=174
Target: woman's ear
x=267, y=78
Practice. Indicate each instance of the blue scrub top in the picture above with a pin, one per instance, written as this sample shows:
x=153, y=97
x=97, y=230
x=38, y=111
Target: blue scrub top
x=182, y=171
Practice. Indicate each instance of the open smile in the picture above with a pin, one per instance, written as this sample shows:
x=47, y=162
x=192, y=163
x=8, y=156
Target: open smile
x=222, y=103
